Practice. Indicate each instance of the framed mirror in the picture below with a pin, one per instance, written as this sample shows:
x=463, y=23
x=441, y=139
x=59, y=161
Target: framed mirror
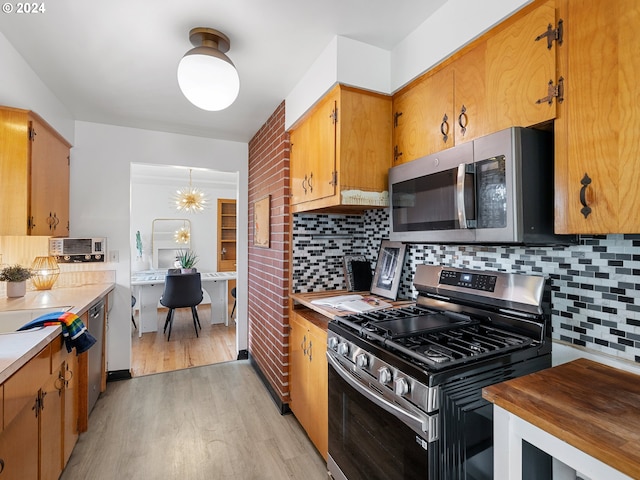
x=168, y=235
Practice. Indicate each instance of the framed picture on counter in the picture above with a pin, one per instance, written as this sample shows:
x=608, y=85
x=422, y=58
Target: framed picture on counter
x=386, y=279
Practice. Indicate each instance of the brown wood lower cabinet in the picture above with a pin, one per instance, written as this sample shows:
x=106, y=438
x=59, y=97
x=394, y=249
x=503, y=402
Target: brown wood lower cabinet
x=308, y=375
x=40, y=415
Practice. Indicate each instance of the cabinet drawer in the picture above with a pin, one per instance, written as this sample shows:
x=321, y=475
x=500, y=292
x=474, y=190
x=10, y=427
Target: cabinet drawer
x=22, y=387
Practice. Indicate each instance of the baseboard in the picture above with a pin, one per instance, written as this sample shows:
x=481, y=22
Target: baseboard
x=243, y=355
x=282, y=406
x=116, y=375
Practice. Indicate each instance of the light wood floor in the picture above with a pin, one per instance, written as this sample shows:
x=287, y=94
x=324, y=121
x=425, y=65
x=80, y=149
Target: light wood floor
x=152, y=353
x=214, y=422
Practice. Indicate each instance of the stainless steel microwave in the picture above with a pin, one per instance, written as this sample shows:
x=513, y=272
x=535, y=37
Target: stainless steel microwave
x=495, y=189
x=78, y=250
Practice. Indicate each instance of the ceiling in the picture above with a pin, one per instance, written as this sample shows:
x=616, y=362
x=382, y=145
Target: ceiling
x=115, y=61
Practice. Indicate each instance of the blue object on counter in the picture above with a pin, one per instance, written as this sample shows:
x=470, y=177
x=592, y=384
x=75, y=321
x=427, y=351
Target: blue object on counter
x=74, y=331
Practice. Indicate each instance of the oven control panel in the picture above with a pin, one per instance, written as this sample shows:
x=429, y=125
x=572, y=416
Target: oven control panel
x=475, y=281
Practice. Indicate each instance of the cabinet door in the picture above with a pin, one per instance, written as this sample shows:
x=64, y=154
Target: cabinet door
x=298, y=369
x=363, y=138
x=14, y=165
x=51, y=426
x=470, y=119
x=597, y=130
x=318, y=388
x=421, y=114
x=19, y=445
x=49, y=182
x=519, y=69
x=70, y=414
x=313, y=152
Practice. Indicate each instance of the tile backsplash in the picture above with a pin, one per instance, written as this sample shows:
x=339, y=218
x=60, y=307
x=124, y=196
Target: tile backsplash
x=596, y=284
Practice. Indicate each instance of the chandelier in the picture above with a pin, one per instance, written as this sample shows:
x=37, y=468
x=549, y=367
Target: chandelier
x=190, y=199
x=182, y=235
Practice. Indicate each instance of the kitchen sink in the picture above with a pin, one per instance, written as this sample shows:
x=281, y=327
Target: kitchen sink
x=12, y=320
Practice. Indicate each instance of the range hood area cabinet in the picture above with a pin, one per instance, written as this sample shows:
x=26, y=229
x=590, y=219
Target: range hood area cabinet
x=597, y=133
x=493, y=84
x=340, y=153
x=34, y=167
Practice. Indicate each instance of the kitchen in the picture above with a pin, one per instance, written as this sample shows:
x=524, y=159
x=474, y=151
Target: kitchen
x=101, y=144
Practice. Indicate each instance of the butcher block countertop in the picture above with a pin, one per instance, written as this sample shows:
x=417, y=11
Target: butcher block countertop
x=591, y=406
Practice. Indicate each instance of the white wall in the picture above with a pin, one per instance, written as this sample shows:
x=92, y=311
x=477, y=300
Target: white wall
x=354, y=63
x=100, y=203
x=20, y=87
x=150, y=201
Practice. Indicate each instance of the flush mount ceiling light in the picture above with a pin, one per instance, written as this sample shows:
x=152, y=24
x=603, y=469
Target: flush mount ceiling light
x=190, y=199
x=206, y=76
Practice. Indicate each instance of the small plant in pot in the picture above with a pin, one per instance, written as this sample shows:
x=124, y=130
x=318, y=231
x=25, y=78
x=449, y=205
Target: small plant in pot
x=187, y=260
x=16, y=277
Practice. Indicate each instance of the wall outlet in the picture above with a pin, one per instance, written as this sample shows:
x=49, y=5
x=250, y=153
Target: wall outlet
x=113, y=256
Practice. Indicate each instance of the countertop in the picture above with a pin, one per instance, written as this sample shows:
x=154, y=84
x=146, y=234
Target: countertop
x=16, y=349
x=591, y=406
x=305, y=299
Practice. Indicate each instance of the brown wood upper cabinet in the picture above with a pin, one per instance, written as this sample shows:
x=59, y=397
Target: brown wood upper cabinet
x=597, y=172
x=346, y=130
x=494, y=84
x=34, y=166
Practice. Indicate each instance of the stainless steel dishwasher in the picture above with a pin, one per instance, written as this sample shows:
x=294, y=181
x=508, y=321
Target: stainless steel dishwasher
x=96, y=328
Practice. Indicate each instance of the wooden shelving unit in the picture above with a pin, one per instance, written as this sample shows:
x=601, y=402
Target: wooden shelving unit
x=226, y=235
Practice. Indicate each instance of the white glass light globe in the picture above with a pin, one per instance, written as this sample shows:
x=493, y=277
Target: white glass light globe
x=208, y=80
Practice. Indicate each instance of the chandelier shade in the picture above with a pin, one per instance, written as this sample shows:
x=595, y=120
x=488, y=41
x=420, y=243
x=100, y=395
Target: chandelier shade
x=207, y=77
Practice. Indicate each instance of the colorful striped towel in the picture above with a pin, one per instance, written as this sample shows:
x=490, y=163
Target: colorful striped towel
x=74, y=331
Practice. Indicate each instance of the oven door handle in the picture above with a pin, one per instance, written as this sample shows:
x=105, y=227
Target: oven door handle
x=416, y=423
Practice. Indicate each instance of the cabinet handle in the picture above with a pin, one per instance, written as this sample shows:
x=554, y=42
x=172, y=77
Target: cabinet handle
x=310, y=182
x=304, y=345
x=463, y=120
x=310, y=345
x=585, y=182
x=1, y=465
x=444, y=128
x=304, y=184
x=396, y=153
x=36, y=406
x=60, y=383
x=395, y=118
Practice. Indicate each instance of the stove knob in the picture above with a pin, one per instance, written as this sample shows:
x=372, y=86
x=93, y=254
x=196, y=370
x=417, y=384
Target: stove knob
x=384, y=375
x=343, y=349
x=400, y=386
x=333, y=343
x=362, y=361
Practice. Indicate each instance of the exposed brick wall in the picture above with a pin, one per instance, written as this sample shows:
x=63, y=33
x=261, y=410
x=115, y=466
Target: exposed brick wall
x=269, y=267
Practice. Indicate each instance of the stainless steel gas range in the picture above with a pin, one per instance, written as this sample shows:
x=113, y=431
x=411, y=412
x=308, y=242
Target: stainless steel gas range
x=405, y=384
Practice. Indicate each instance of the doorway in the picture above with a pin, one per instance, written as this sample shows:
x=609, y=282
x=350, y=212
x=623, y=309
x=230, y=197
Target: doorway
x=153, y=190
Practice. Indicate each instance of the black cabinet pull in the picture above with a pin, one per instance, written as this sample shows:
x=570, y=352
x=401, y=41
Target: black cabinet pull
x=585, y=182
x=463, y=120
x=444, y=128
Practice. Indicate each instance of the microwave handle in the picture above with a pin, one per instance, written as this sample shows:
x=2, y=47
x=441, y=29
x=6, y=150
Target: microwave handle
x=462, y=214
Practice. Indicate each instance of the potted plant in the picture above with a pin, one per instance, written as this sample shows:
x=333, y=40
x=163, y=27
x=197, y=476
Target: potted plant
x=186, y=260
x=16, y=277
